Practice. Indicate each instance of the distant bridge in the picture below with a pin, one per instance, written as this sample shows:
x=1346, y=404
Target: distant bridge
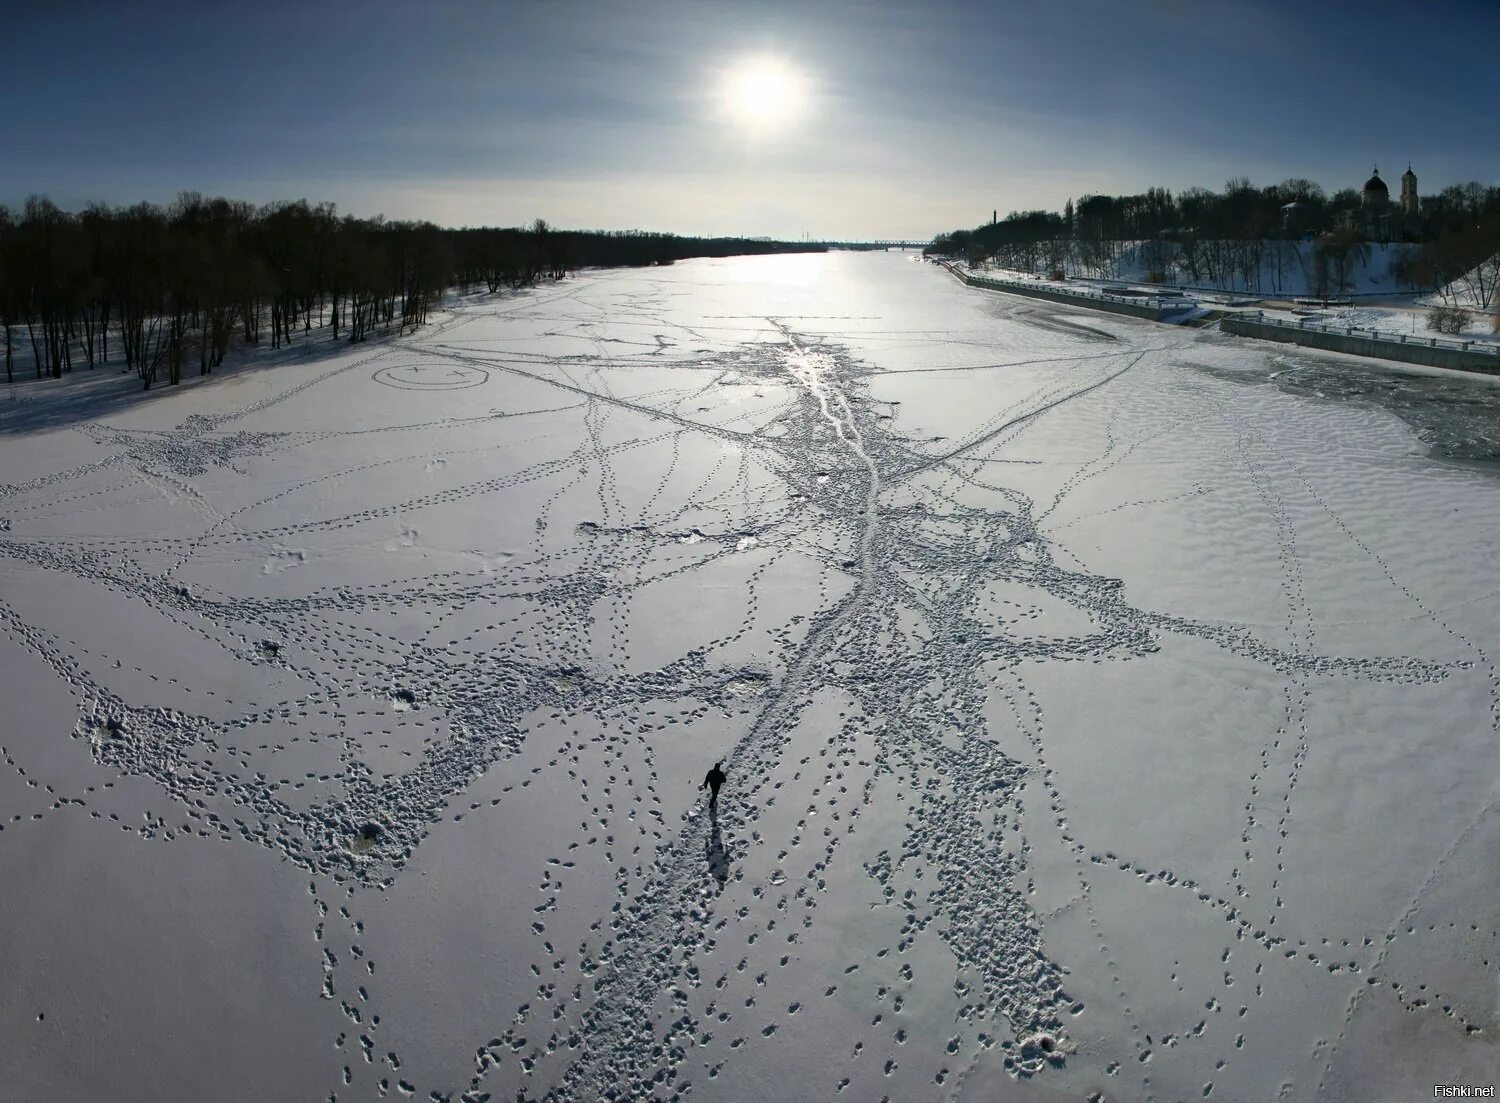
x=919, y=245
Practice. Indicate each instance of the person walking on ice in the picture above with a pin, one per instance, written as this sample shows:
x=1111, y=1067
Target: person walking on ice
x=713, y=779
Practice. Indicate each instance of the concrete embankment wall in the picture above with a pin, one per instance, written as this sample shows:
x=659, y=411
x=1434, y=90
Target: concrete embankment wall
x=1411, y=352
x=1115, y=304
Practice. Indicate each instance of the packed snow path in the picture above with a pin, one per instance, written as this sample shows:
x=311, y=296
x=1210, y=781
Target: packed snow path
x=1102, y=719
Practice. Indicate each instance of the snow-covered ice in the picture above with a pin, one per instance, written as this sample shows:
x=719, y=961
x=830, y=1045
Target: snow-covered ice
x=1109, y=710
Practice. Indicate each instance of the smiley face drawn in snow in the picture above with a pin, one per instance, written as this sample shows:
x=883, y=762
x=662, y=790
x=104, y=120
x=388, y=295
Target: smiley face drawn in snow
x=431, y=377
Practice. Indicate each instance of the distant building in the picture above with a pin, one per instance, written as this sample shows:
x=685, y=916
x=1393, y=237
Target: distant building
x=1296, y=216
x=1377, y=218
x=1409, y=193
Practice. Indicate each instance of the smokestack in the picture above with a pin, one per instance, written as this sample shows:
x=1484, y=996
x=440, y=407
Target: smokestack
x=995, y=216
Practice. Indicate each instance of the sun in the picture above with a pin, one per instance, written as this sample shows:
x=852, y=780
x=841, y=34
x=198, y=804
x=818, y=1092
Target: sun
x=764, y=94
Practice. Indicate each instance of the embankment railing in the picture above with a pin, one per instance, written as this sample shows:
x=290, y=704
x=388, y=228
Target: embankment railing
x=1399, y=339
x=1154, y=302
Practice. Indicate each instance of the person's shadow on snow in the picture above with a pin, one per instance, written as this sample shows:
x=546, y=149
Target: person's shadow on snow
x=718, y=856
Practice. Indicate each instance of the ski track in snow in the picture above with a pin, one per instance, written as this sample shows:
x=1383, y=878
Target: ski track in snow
x=864, y=759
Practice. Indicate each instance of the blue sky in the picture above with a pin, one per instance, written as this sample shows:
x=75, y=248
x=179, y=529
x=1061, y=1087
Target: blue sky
x=910, y=118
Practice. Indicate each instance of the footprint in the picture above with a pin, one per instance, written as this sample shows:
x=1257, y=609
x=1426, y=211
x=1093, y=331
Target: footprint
x=282, y=559
x=407, y=539
x=489, y=562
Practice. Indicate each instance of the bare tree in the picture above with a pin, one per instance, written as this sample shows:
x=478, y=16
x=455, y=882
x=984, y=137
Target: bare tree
x=8, y=292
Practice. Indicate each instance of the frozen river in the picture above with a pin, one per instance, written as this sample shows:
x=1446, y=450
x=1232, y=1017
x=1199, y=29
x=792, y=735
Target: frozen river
x=1105, y=714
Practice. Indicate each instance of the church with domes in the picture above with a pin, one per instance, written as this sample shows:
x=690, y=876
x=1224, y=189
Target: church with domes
x=1377, y=216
